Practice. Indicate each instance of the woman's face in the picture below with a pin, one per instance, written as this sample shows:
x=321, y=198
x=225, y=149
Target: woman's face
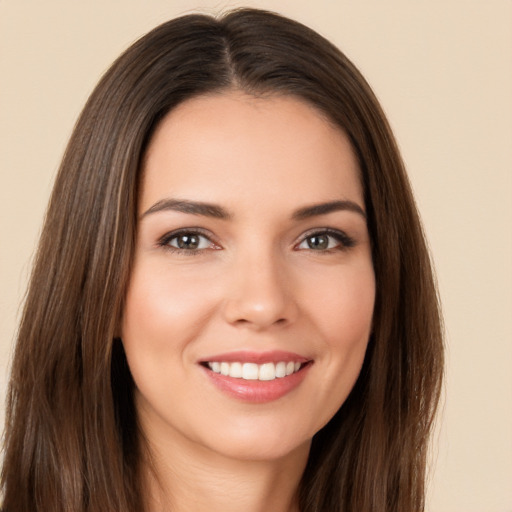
x=251, y=296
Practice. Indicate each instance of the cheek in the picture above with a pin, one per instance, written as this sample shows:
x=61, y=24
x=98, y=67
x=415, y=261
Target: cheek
x=344, y=312
x=159, y=303
x=162, y=316
x=343, y=316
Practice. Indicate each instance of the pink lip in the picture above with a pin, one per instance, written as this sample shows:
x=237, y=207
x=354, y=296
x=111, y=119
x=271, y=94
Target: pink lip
x=256, y=391
x=244, y=356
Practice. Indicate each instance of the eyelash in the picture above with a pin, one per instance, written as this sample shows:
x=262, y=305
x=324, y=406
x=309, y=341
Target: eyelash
x=166, y=240
x=344, y=241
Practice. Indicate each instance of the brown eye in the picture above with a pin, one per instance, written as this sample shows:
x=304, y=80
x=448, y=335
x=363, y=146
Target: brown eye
x=326, y=241
x=187, y=241
x=318, y=242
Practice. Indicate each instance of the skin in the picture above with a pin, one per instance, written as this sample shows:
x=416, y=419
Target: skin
x=254, y=283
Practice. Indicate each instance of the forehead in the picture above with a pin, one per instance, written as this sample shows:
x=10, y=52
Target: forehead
x=233, y=147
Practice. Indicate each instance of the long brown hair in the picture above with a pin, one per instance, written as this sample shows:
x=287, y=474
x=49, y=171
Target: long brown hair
x=71, y=439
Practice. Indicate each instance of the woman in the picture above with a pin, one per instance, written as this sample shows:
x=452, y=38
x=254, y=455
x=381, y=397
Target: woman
x=232, y=305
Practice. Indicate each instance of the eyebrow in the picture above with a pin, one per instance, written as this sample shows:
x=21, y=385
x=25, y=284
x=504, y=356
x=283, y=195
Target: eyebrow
x=193, y=207
x=325, y=208
x=216, y=211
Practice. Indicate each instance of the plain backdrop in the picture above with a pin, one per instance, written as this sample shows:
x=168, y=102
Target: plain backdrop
x=443, y=72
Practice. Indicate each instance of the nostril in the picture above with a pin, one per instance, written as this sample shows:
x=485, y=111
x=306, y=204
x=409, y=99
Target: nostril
x=259, y=307
x=244, y=321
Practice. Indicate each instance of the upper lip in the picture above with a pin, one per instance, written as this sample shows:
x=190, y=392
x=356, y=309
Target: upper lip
x=245, y=356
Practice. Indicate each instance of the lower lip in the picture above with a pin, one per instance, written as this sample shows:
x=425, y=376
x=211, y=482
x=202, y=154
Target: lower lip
x=257, y=391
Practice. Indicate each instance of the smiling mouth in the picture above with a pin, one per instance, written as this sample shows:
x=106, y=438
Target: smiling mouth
x=256, y=377
x=252, y=371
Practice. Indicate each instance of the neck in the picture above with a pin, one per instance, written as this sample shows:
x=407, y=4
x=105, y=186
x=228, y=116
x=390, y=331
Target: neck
x=194, y=480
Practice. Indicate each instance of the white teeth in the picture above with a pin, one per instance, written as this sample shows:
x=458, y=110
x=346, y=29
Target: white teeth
x=250, y=371
x=281, y=370
x=253, y=371
x=235, y=370
x=267, y=371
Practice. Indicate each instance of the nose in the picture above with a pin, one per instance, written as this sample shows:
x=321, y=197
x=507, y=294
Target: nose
x=260, y=294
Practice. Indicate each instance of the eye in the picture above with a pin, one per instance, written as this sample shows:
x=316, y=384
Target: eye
x=326, y=240
x=187, y=241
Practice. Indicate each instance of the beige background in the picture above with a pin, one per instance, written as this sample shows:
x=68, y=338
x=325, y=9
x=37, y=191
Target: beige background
x=443, y=71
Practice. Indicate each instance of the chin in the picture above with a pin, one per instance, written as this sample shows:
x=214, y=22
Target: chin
x=259, y=437
x=261, y=448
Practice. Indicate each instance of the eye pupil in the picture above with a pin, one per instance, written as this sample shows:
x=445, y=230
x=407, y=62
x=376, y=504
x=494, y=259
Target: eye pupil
x=188, y=241
x=318, y=242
